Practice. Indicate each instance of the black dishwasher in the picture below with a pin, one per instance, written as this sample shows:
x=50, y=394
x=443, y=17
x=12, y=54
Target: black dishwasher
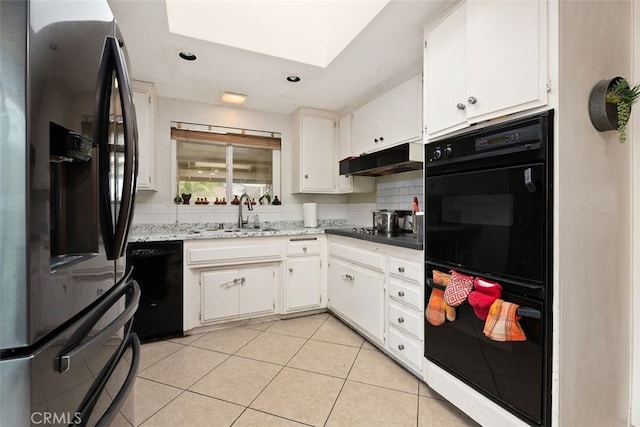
x=157, y=267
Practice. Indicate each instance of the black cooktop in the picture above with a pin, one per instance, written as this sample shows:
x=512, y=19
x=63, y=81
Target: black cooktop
x=405, y=240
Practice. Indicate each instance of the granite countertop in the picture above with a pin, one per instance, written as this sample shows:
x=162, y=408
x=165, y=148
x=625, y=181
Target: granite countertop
x=172, y=232
x=158, y=233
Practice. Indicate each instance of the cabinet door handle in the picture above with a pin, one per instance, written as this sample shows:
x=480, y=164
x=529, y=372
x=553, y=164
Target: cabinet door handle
x=381, y=138
x=472, y=100
x=400, y=347
x=400, y=319
x=401, y=294
x=460, y=106
x=290, y=270
x=306, y=176
x=401, y=269
x=375, y=140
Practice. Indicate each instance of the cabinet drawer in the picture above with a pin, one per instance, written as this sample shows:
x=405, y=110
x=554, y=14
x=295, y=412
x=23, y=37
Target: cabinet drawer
x=370, y=259
x=405, y=269
x=230, y=254
x=304, y=247
x=407, y=293
x=405, y=347
x=406, y=319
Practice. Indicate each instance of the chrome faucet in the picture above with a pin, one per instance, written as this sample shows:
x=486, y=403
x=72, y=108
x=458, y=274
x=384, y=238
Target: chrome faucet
x=240, y=221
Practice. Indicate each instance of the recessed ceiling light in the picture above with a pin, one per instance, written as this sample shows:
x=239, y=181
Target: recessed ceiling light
x=233, y=98
x=187, y=56
x=293, y=78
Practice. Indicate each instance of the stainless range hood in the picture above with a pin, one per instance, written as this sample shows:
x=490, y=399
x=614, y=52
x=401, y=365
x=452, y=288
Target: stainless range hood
x=401, y=158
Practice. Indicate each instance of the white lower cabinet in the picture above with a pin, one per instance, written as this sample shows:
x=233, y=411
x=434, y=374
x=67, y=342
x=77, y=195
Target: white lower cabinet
x=379, y=290
x=405, y=347
x=405, y=307
x=234, y=292
x=304, y=276
x=339, y=286
x=356, y=288
x=303, y=283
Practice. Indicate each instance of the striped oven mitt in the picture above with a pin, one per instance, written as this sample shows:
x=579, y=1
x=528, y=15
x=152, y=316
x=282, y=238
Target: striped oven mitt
x=437, y=308
x=459, y=289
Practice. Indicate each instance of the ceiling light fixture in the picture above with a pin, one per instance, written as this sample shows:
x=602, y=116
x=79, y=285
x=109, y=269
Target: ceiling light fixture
x=293, y=78
x=187, y=56
x=233, y=98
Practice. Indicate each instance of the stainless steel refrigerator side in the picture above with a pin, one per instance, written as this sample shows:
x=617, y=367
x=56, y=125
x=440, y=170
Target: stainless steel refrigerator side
x=49, y=56
x=15, y=388
x=13, y=204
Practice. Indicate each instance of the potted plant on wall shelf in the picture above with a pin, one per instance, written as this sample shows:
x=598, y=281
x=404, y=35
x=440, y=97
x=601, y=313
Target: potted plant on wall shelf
x=610, y=104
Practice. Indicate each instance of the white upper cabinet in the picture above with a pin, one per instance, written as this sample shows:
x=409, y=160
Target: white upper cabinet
x=389, y=119
x=314, y=161
x=445, y=75
x=349, y=184
x=144, y=98
x=485, y=60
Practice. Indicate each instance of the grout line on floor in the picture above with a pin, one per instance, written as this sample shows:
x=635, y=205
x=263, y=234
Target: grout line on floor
x=162, y=407
x=160, y=360
x=274, y=377
x=342, y=388
x=273, y=415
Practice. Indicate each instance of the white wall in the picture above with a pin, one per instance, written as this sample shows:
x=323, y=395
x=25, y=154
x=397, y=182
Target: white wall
x=635, y=251
x=593, y=207
x=157, y=207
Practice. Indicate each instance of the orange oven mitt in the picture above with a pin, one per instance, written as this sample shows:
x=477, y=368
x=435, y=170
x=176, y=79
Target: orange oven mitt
x=437, y=309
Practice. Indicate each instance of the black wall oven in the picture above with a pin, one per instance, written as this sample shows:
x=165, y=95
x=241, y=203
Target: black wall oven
x=489, y=214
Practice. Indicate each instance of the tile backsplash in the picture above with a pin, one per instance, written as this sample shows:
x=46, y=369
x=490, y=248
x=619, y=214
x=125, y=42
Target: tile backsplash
x=398, y=192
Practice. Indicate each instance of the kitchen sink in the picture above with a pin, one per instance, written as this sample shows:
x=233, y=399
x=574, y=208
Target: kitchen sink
x=231, y=230
x=248, y=229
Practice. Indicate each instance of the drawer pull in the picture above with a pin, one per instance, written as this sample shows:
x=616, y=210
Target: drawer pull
x=400, y=319
x=400, y=347
x=348, y=276
x=304, y=249
x=401, y=269
x=290, y=270
x=401, y=293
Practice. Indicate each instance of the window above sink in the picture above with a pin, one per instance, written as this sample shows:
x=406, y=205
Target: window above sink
x=217, y=163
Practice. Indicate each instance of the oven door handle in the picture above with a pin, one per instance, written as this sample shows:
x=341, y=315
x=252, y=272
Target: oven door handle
x=522, y=311
x=434, y=285
x=529, y=312
x=528, y=181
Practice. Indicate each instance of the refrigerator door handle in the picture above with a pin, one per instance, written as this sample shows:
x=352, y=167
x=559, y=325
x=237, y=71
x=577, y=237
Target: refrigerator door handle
x=75, y=346
x=127, y=386
x=88, y=405
x=115, y=231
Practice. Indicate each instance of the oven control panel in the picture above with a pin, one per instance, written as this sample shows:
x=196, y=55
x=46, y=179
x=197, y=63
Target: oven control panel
x=518, y=136
x=483, y=144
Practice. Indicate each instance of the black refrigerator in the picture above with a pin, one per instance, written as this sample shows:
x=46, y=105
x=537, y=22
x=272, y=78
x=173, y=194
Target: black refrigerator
x=68, y=168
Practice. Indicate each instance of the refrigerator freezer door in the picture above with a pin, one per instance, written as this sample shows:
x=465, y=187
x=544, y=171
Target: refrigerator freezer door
x=33, y=386
x=13, y=205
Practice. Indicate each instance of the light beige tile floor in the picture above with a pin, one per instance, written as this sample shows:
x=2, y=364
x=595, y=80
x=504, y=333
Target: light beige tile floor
x=311, y=370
